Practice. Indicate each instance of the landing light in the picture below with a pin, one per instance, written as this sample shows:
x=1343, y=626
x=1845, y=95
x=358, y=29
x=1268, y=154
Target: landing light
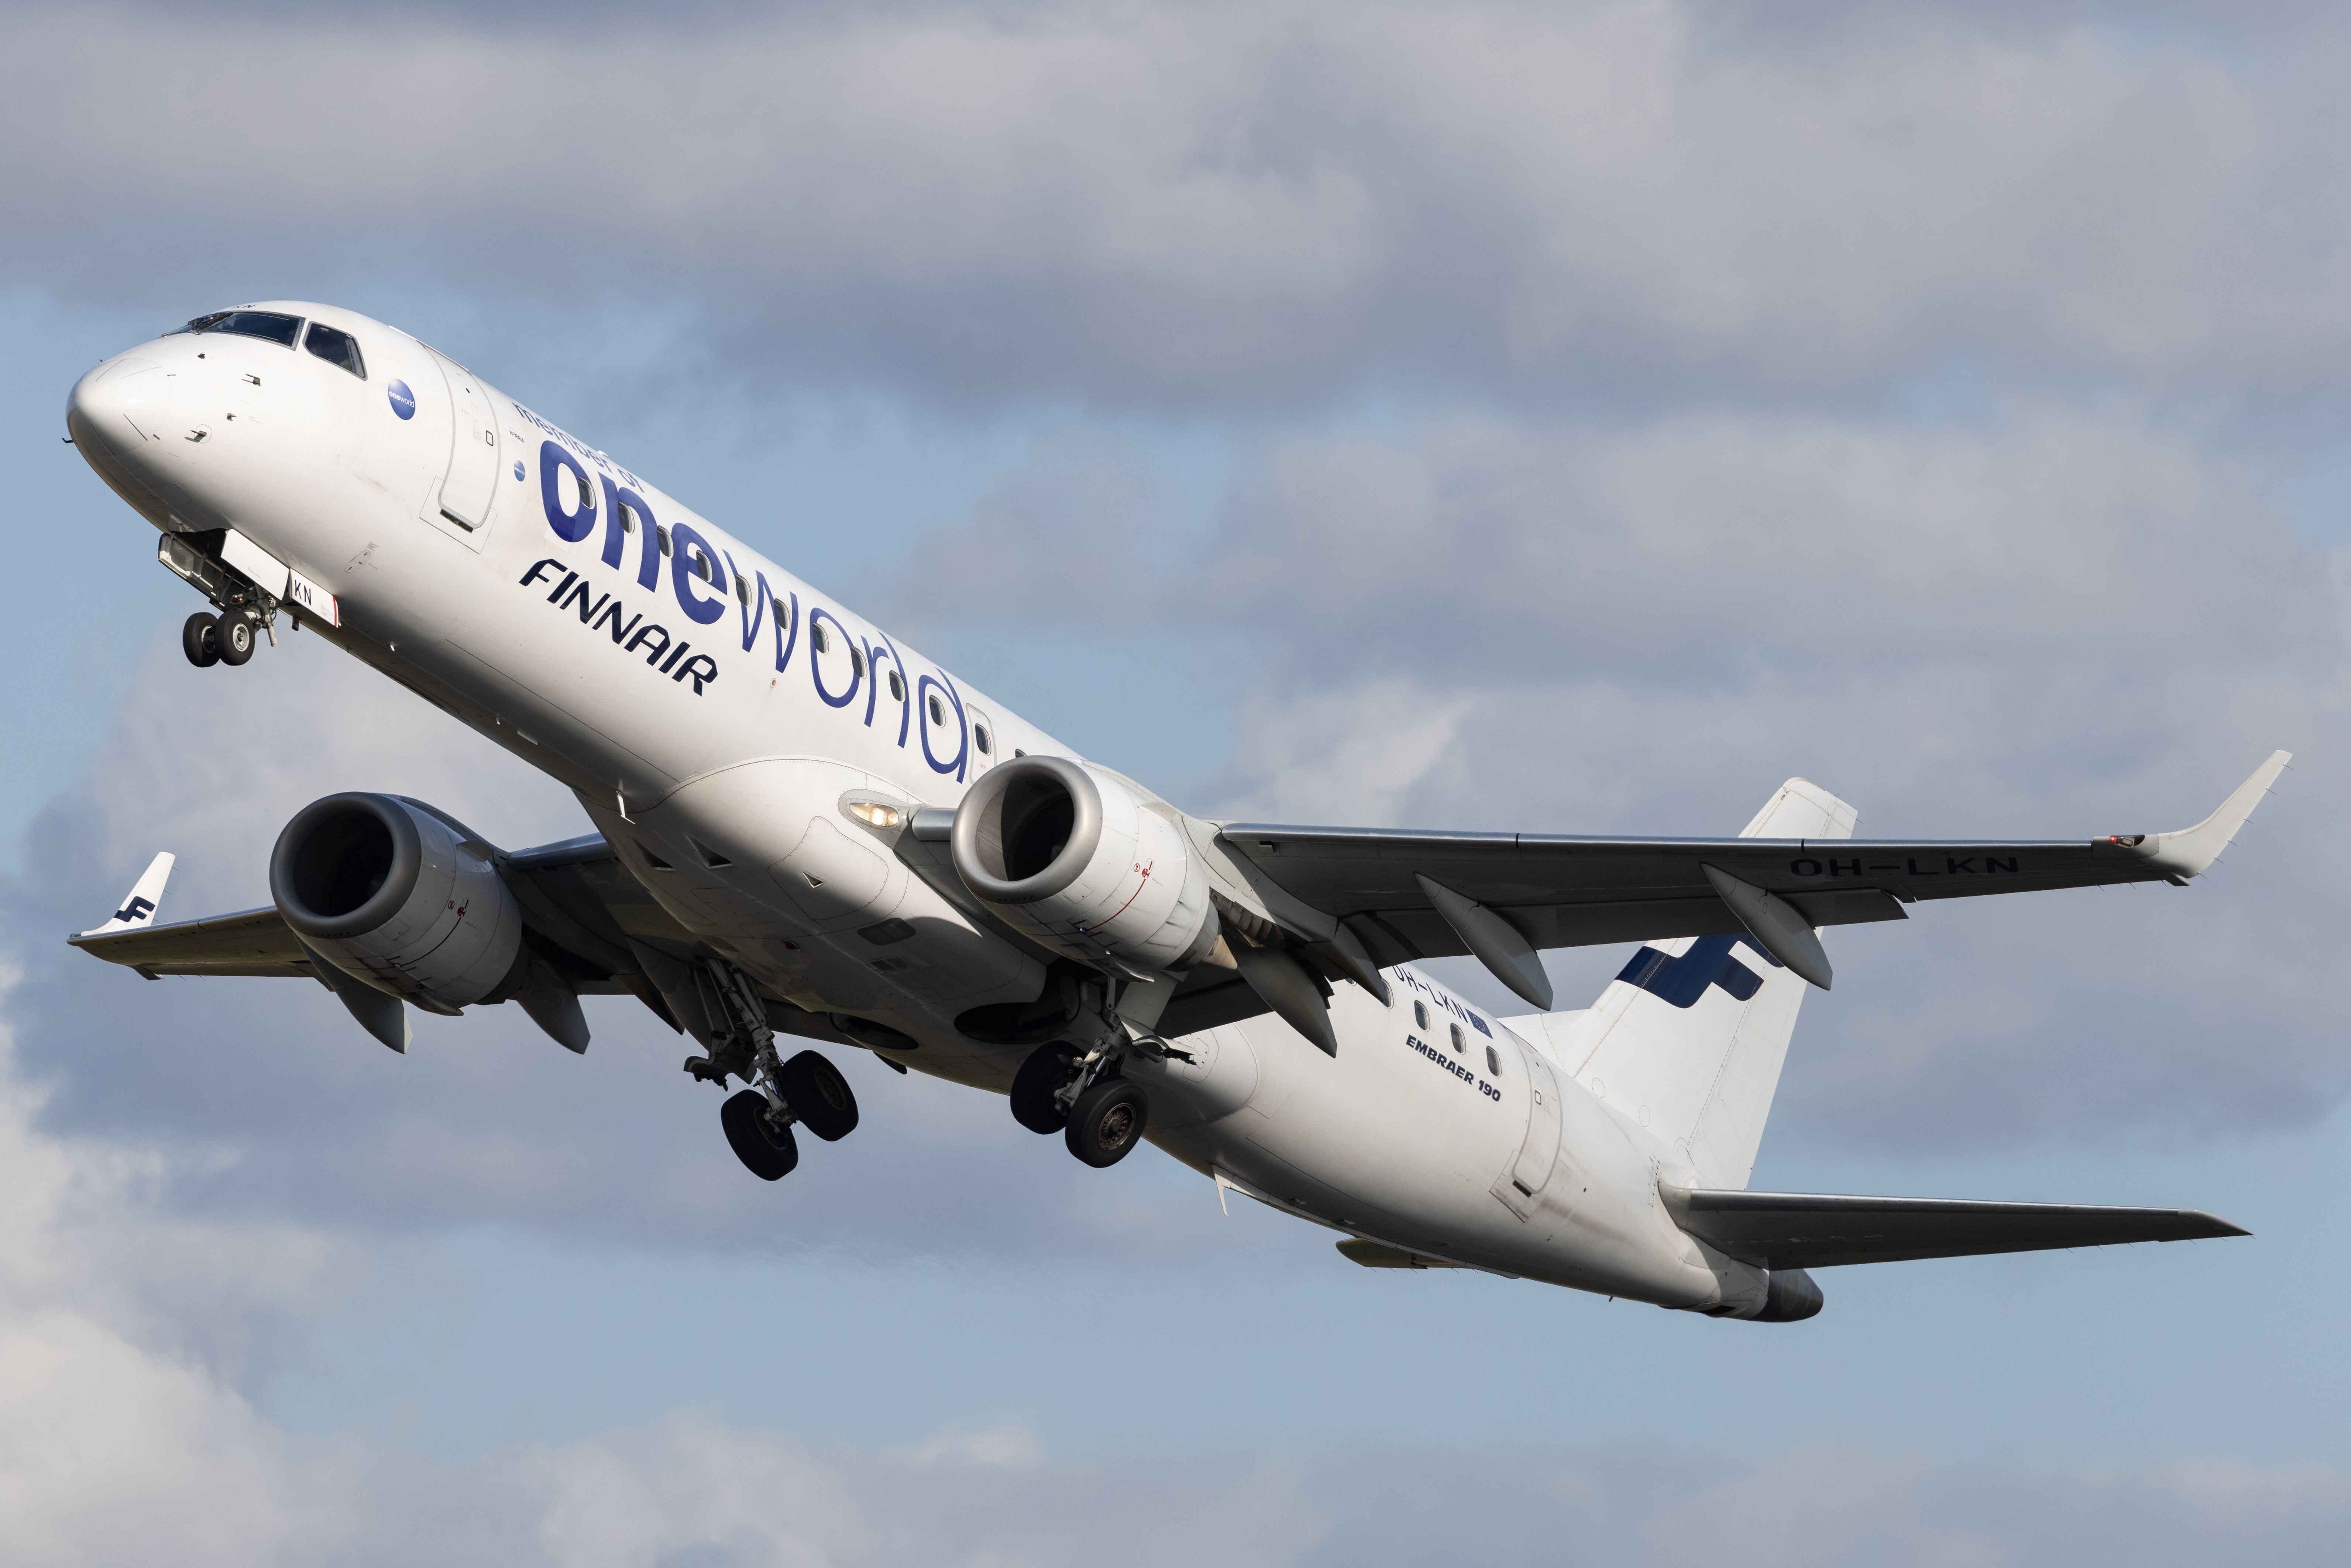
x=874, y=814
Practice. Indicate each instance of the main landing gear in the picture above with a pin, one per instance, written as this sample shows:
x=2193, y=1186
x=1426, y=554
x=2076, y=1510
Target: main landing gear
x=807, y=1089
x=1099, y=1115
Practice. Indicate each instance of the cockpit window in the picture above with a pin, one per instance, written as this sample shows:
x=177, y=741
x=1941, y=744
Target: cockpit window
x=336, y=347
x=248, y=323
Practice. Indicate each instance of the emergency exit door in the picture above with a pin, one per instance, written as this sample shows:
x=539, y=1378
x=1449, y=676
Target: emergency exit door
x=1538, y=1154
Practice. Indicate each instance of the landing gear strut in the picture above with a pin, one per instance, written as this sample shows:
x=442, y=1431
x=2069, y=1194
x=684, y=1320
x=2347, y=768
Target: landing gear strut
x=807, y=1089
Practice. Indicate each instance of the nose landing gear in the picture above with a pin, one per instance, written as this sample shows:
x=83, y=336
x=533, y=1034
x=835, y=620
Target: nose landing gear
x=247, y=614
x=209, y=640
x=200, y=641
x=236, y=638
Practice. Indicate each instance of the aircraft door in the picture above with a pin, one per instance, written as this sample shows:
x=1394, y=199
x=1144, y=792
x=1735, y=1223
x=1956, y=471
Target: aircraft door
x=472, y=477
x=1539, y=1151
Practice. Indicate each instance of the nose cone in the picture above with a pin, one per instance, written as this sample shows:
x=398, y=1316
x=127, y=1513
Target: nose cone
x=119, y=407
x=119, y=416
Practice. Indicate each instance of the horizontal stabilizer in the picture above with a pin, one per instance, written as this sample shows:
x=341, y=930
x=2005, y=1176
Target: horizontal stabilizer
x=1821, y=1230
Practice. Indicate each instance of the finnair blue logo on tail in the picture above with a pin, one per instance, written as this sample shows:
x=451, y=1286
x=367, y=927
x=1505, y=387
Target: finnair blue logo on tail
x=1683, y=980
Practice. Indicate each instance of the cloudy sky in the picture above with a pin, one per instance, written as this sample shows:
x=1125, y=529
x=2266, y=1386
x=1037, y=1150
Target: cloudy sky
x=1572, y=418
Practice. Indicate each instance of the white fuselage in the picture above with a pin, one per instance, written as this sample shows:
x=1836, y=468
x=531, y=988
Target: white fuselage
x=717, y=726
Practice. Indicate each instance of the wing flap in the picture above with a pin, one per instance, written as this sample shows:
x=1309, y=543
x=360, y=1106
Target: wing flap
x=1823, y=1230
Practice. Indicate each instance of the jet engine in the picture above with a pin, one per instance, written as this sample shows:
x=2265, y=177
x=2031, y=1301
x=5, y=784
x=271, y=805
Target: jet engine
x=391, y=894
x=1086, y=862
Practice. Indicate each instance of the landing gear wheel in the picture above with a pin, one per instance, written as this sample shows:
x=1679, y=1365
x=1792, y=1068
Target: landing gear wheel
x=200, y=641
x=1033, y=1088
x=1107, y=1122
x=236, y=639
x=768, y=1151
x=819, y=1095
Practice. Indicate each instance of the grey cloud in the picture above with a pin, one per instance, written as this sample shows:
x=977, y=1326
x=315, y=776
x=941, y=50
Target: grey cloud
x=1235, y=204
x=1702, y=545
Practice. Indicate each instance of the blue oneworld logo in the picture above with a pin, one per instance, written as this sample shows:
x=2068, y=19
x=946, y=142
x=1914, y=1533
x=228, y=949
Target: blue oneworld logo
x=403, y=402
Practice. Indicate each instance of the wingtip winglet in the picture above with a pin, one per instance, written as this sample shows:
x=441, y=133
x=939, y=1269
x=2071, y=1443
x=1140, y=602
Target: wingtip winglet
x=2215, y=1227
x=2191, y=852
x=138, y=908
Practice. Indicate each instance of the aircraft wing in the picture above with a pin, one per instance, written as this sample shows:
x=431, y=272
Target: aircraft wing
x=1406, y=895
x=250, y=942
x=578, y=900
x=574, y=893
x=1815, y=1230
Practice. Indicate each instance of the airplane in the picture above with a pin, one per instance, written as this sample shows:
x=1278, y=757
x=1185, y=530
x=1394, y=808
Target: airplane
x=806, y=828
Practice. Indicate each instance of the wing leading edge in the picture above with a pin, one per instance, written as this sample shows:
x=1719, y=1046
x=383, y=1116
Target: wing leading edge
x=1821, y=1230
x=1560, y=890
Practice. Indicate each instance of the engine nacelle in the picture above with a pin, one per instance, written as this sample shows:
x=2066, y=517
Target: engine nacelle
x=389, y=892
x=1078, y=858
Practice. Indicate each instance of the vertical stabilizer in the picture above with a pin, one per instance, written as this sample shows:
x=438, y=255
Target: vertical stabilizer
x=1687, y=1041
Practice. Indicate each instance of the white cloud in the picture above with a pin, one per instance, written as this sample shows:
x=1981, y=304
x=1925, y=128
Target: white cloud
x=1231, y=204
x=127, y=1436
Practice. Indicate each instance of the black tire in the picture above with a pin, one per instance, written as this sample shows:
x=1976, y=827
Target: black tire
x=1107, y=1122
x=200, y=641
x=236, y=639
x=819, y=1095
x=766, y=1151
x=1033, y=1088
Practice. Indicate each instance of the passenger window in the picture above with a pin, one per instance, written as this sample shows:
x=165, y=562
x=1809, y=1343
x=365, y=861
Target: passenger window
x=938, y=711
x=266, y=324
x=1454, y=1030
x=819, y=640
x=979, y=738
x=897, y=688
x=702, y=566
x=857, y=662
x=1493, y=1061
x=336, y=347
x=1419, y=1016
x=663, y=534
x=743, y=592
